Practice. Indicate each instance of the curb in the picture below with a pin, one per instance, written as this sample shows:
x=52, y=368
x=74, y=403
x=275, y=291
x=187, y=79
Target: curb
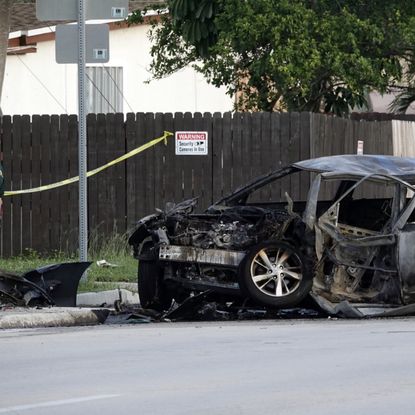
x=107, y=298
x=20, y=318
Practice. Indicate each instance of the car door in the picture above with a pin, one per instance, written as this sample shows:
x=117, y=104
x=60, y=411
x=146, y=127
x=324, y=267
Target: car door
x=356, y=242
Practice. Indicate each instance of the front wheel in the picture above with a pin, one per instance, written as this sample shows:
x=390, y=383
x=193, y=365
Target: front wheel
x=275, y=274
x=151, y=287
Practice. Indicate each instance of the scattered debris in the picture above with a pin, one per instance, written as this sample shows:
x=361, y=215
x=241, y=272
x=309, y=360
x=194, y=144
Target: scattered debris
x=203, y=307
x=345, y=309
x=103, y=263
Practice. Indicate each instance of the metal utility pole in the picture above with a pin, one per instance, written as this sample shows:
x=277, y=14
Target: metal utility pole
x=83, y=195
x=71, y=48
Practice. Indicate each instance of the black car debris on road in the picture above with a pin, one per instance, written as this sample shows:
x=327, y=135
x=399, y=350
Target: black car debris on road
x=345, y=247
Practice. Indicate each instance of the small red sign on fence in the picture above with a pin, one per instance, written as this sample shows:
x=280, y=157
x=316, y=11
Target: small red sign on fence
x=191, y=143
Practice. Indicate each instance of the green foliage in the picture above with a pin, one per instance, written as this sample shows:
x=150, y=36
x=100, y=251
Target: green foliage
x=403, y=100
x=194, y=20
x=304, y=55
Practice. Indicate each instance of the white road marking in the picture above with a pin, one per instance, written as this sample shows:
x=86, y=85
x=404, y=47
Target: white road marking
x=55, y=403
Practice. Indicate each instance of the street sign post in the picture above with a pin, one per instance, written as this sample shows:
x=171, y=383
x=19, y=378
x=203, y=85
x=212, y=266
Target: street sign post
x=80, y=44
x=82, y=141
x=96, y=43
x=68, y=9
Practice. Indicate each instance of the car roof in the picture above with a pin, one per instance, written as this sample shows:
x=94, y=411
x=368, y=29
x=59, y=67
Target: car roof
x=362, y=165
x=347, y=166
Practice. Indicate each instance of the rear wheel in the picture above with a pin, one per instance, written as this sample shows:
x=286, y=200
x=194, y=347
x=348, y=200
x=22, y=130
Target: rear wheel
x=275, y=274
x=151, y=287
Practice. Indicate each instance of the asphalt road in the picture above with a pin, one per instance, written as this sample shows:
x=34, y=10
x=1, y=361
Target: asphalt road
x=284, y=367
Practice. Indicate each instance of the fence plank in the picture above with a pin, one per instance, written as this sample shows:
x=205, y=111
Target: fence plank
x=386, y=136
x=110, y=176
x=26, y=184
x=246, y=146
x=337, y=138
x=305, y=139
x=226, y=162
x=348, y=137
x=92, y=150
x=119, y=177
x=63, y=173
x=188, y=163
x=149, y=156
x=275, y=151
x=169, y=161
x=237, y=171
x=159, y=156
x=267, y=159
x=55, y=160
x=72, y=241
x=45, y=205
x=104, y=209
x=7, y=166
x=294, y=153
x=255, y=144
x=17, y=183
x=132, y=190
x=37, y=242
x=208, y=165
x=285, y=152
x=217, y=127
x=202, y=170
x=140, y=169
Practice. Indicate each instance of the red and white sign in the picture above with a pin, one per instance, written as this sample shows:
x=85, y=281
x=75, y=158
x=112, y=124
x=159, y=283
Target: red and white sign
x=191, y=143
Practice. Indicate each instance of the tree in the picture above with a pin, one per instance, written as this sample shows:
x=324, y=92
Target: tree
x=5, y=7
x=5, y=11
x=304, y=55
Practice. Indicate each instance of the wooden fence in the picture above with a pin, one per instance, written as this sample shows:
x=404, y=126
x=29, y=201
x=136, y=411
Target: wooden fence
x=43, y=149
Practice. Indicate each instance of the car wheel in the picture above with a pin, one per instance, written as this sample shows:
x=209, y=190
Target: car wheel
x=275, y=274
x=151, y=287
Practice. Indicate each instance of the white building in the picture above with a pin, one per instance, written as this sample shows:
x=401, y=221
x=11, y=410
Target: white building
x=35, y=84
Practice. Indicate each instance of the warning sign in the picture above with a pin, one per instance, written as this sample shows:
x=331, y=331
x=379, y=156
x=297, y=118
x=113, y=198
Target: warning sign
x=191, y=143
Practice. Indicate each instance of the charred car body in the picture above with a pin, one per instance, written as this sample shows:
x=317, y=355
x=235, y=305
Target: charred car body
x=347, y=246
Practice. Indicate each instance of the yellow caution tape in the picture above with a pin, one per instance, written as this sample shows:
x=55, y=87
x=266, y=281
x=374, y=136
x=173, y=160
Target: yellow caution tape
x=126, y=156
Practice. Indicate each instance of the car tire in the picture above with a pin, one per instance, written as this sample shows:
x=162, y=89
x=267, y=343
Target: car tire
x=151, y=287
x=275, y=274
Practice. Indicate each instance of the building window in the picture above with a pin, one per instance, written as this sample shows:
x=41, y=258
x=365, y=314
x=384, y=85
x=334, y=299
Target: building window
x=104, y=86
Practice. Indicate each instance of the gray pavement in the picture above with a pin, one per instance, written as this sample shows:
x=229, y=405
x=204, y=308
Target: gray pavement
x=267, y=367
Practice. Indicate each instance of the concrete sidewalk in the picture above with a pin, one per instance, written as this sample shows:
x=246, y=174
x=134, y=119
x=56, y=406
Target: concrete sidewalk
x=20, y=317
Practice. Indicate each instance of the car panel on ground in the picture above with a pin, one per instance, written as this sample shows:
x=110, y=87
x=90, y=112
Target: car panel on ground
x=45, y=286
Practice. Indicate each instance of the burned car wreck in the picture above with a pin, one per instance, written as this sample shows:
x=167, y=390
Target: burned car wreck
x=351, y=240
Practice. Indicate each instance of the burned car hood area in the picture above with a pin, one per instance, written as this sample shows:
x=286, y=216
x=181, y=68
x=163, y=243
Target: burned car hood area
x=350, y=241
